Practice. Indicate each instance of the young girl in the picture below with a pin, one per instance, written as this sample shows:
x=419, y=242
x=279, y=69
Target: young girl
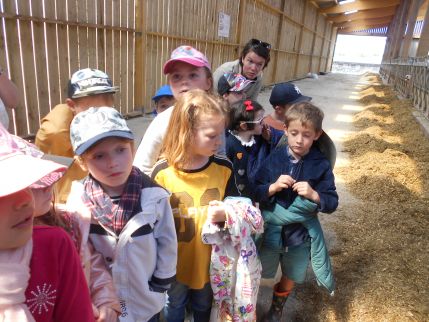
x=128, y=216
x=248, y=141
x=187, y=69
x=105, y=303
x=56, y=289
x=196, y=179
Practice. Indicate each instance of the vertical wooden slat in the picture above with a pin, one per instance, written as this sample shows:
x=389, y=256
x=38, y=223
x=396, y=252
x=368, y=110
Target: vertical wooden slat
x=301, y=34
x=139, y=58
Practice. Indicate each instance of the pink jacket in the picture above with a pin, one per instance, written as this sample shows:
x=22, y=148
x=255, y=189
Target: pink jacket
x=57, y=290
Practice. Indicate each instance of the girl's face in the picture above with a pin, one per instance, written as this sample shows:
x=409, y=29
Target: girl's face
x=16, y=219
x=42, y=200
x=253, y=65
x=257, y=122
x=207, y=136
x=185, y=77
x=110, y=162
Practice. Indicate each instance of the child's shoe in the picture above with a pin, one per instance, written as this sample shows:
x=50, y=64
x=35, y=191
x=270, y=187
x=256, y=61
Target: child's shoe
x=276, y=309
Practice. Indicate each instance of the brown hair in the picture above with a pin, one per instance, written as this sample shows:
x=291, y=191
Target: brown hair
x=307, y=113
x=188, y=111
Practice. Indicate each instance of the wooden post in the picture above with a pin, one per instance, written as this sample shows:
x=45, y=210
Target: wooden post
x=403, y=13
x=423, y=47
x=331, y=49
x=412, y=16
x=279, y=37
x=241, y=13
x=139, y=87
x=313, y=43
x=295, y=72
x=323, y=46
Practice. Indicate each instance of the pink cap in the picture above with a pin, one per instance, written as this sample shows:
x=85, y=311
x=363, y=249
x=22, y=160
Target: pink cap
x=186, y=54
x=20, y=168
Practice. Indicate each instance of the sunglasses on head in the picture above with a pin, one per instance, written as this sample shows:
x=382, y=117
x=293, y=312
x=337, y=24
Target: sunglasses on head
x=257, y=42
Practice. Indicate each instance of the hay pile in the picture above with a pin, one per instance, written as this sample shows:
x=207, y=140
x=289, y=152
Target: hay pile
x=381, y=260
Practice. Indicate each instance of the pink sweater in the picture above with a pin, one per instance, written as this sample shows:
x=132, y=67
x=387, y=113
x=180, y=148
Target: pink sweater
x=57, y=289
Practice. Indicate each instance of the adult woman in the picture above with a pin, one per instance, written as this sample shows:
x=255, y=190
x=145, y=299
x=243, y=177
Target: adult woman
x=253, y=59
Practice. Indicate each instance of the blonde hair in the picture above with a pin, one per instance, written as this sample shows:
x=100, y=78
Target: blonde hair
x=307, y=113
x=188, y=111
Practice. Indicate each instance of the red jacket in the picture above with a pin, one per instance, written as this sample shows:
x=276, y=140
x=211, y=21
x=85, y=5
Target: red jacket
x=57, y=290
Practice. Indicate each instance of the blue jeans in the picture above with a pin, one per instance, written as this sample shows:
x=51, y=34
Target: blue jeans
x=178, y=297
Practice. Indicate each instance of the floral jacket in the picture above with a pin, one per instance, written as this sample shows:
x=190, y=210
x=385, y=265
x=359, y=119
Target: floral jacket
x=235, y=269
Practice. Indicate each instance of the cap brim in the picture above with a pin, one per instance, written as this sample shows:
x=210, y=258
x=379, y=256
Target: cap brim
x=19, y=171
x=65, y=161
x=86, y=145
x=91, y=92
x=190, y=61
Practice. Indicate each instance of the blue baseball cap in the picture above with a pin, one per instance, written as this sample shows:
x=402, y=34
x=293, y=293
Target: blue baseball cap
x=161, y=92
x=286, y=93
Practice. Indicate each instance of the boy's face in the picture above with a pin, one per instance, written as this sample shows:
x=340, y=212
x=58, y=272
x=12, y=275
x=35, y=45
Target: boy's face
x=16, y=219
x=81, y=104
x=233, y=97
x=110, y=162
x=300, y=137
x=163, y=103
x=185, y=77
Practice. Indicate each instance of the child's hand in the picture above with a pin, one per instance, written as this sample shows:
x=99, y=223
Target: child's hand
x=283, y=182
x=305, y=190
x=216, y=212
x=106, y=314
x=266, y=132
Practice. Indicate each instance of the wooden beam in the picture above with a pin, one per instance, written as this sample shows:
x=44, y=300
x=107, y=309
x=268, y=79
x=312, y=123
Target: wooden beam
x=365, y=14
x=375, y=21
x=423, y=47
x=362, y=27
x=139, y=58
x=400, y=28
x=313, y=43
x=295, y=72
x=279, y=37
x=411, y=21
x=360, y=5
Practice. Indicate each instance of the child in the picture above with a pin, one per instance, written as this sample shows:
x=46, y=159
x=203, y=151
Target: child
x=196, y=178
x=87, y=88
x=163, y=99
x=232, y=87
x=294, y=183
x=283, y=96
x=56, y=289
x=245, y=141
x=130, y=218
x=186, y=69
x=105, y=303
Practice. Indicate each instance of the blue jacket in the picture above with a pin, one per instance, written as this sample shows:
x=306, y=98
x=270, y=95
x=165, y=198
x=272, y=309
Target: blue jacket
x=303, y=211
x=313, y=168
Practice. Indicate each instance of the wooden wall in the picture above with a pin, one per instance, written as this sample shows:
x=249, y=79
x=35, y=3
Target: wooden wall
x=44, y=41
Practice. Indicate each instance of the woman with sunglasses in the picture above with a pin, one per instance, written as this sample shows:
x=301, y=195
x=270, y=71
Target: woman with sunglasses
x=248, y=142
x=253, y=60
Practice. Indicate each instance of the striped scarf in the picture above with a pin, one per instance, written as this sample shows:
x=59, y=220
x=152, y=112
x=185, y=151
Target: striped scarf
x=109, y=214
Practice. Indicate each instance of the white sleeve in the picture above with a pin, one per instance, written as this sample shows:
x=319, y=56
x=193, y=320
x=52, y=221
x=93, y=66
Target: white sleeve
x=166, y=237
x=150, y=147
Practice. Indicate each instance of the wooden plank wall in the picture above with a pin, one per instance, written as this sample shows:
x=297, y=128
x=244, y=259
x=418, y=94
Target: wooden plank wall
x=44, y=41
x=301, y=38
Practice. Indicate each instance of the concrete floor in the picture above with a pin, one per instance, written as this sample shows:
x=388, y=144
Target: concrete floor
x=336, y=95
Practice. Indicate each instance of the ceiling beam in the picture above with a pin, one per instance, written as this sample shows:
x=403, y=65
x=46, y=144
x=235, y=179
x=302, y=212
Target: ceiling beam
x=384, y=20
x=365, y=14
x=361, y=27
x=360, y=5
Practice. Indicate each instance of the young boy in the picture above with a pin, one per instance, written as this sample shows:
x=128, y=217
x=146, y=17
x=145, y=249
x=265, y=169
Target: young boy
x=132, y=224
x=163, y=99
x=231, y=87
x=293, y=185
x=87, y=88
x=283, y=96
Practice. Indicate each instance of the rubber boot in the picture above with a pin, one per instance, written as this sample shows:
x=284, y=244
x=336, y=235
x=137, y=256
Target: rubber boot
x=276, y=309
